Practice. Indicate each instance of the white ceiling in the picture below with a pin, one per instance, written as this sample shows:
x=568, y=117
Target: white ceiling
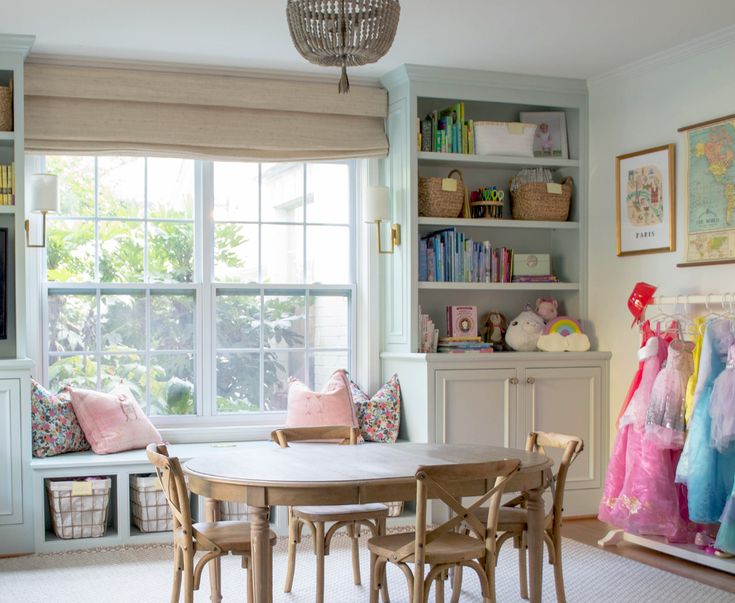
x=573, y=38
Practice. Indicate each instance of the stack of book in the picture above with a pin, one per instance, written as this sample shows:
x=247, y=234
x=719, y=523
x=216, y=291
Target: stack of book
x=447, y=131
x=428, y=334
x=539, y=278
x=463, y=345
x=447, y=256
x=7, y=184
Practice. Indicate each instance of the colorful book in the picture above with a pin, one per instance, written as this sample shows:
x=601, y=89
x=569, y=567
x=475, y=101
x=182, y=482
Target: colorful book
x=462, y=321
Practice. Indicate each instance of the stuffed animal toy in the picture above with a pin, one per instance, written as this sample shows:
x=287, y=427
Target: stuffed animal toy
x=547, y=308
x=524, y=330
x=494, y=325
x=563, y=334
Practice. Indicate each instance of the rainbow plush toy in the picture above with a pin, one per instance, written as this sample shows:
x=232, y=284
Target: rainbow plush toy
x=563, y=334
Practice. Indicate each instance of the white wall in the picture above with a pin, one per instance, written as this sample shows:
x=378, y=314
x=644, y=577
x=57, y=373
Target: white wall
x=635, y=109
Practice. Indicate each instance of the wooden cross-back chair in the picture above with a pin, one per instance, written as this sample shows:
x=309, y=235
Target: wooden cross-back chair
x=513, y=519
x=353, y=517
x=215, y=539
x=443, y=548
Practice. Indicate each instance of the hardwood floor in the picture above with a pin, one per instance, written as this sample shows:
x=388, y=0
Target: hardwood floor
x=589, y=531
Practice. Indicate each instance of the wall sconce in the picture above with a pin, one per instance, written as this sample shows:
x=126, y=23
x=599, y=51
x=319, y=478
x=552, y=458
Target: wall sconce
x=43, y=197
x=377, y=209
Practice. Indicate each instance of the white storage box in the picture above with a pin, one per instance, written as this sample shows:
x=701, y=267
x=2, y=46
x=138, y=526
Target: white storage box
x=79, y=508
x=150, y=509
x=504, y=138
x=531, y=264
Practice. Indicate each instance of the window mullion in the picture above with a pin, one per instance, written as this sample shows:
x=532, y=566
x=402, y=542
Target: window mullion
x=206, y=291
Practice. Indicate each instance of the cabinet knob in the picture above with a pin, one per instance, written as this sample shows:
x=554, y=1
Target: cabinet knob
x=530, y=380
x=513, y=380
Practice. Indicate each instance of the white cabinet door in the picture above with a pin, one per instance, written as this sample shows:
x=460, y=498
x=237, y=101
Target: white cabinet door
x=476, y=406
x=568, y=400
x=11, y=495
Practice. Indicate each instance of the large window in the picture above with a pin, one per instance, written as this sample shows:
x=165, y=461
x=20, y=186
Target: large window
x=203, y=285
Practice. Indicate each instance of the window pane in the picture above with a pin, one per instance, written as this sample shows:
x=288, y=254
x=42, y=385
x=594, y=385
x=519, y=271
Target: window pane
x=172, y=384
x=329, y=321
x=121, y=186
x=72, y=322
x=238, y=382
x=70, y=251
x=282, y=254
x=278, y=367
x=172, y=321
x=238, y=321
x=236, y=191
x=79, y=371
x=323, y=364
x=171, y=252
x=236, y=253
x=284, y=321
x=122, y=322
x=121, y=252
x=170, y=188
x=328, y=193
x=327, y=254
x=129, y=368
x=283, y=192
x=76, y=184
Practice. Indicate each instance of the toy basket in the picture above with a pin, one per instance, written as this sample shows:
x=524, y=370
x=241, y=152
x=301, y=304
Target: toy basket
x=79, y=508
x=540, y=201
x=6, y=108
x=150, y=509
x=439, y=198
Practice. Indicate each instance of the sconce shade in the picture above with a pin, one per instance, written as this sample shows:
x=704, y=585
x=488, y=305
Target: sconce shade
x=377, y=204
x=44, y=193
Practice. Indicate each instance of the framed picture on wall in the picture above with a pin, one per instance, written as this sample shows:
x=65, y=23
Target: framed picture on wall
x=3, y=283
x=646, y=201
x=550, y=139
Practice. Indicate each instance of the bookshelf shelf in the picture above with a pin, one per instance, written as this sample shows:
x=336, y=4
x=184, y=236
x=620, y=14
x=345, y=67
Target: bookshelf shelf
x=432, y=285
x=7, y=209
x=483, y=223
x=493, y=161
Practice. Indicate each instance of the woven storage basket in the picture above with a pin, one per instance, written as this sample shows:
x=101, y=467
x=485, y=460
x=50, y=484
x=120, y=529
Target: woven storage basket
x=437, y=202
x=6, y=108
x=533, y=201
x=79, y=515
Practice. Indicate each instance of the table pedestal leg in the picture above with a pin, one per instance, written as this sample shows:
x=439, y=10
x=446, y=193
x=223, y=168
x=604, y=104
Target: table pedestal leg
x=211, y=513
x=536, y=514
x=261, y=554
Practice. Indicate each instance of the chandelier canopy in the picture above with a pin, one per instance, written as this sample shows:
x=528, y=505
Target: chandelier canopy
x=342, y=33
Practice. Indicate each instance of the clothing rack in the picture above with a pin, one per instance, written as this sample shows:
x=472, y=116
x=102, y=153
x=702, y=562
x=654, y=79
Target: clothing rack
x=689, y=552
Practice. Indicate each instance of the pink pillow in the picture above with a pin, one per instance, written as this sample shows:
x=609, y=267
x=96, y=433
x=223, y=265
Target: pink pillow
x=379, y=416
x=113, y=421
x=332, y=406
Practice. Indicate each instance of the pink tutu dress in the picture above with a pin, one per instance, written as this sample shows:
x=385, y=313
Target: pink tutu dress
x=665, y=422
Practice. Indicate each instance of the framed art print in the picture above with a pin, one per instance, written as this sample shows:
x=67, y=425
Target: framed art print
x=550, y=139
x=646, y=201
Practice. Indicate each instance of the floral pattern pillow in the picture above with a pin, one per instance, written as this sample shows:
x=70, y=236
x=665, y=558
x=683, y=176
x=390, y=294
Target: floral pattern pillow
x=379, y=416
x=55, y=426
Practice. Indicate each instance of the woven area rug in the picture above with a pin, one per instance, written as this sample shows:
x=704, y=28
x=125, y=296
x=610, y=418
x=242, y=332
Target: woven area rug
x=142, y=574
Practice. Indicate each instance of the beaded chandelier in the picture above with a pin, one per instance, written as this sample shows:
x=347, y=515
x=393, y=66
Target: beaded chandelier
x=342, y=33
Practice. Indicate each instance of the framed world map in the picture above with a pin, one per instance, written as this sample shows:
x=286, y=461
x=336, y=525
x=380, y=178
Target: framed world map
x=710, y=190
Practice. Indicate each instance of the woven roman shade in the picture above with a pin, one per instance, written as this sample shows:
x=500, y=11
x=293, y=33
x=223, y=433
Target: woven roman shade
x=153, y=111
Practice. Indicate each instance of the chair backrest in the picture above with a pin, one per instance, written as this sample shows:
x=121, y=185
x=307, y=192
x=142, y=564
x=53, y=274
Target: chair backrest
x=172, y=481
x=572, y=447
x=441, y=481
x=339, y=434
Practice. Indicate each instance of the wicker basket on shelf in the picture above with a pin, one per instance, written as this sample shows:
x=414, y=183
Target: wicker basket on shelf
x=6, y=108
x=439, y=198
x=540, y=201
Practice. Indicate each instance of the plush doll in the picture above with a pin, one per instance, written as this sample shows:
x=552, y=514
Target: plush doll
x=524, y=330
x=494, y=325
x=547, y=308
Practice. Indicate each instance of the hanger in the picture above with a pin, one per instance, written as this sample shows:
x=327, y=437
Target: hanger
x=683, y=319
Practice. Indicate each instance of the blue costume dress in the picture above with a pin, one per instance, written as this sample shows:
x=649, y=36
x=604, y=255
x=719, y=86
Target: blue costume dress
x=722, y=412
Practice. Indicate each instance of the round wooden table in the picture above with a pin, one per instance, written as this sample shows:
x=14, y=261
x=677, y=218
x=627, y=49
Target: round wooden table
x=326, y=474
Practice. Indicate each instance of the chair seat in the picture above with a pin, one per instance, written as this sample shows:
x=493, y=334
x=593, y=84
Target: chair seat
x=511, y=519
x=449, y=548
x=342, y=512
x=232, y=536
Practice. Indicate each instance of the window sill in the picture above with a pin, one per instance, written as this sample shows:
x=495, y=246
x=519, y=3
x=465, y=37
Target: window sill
x=228, y=433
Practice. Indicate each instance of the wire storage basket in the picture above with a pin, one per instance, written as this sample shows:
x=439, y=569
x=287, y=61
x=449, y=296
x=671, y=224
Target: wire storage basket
x=148, y=504
x=394, y=508
x=79, y=508
x=441, y=197
x=542, y=201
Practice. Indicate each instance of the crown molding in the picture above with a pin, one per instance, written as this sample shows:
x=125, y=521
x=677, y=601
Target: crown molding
x=719, y=39
x=16, y=43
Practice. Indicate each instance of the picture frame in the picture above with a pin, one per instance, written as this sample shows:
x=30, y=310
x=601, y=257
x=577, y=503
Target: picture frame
x=550, y=138
x=645, y=201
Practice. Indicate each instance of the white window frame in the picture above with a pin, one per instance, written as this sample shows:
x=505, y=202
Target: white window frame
x=205, y=425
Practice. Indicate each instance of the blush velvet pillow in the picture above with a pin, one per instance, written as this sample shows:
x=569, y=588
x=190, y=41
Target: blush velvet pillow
x=113, y=421
x=379, y=417
x=331, y=406
x=54, y=424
